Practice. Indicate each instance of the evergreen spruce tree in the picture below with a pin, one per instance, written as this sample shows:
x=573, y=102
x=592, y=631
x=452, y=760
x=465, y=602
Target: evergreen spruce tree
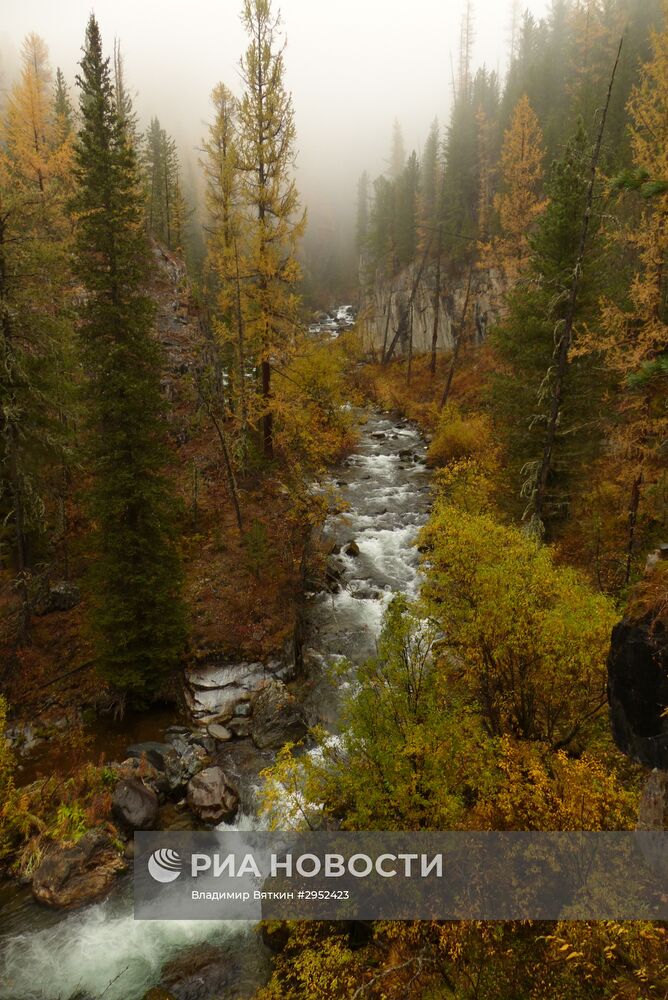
x=526, y=341
x=138, y=617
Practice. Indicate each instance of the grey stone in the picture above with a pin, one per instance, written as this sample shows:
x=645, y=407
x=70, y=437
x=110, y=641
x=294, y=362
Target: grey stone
x=277, y=717
x=154, y=752
x=220, y=732
x=212, y=797
x=134, y=806
x=72, y=876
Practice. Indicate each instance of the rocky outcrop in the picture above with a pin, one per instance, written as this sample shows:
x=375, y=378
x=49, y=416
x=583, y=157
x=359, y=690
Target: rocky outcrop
x=61, y=596
x=134, y=806
x=216, y=692
x=277, y=717
x=184, y=760
x=212, y=797
x=72, y=876
x=485, y=303
x=638, y=690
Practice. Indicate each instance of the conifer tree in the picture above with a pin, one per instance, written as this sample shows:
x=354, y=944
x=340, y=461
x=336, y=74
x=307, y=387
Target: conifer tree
x=138, y=618
x=226, y=266
x=166, y=212
x=362, y=227
x=633, y=337
x=519, y=201
x=62, y=109
x=272, y=223
x=397, y=152
x=526, y=339
x=34, y=321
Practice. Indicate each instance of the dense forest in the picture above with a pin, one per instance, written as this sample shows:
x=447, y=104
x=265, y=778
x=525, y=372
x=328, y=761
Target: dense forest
x=236, y=520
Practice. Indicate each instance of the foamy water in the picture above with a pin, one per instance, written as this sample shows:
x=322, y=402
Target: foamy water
x=101, y=951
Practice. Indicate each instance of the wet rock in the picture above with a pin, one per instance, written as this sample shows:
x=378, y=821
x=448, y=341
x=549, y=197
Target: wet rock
x=366, y=594
x=379, y=435
x=352, y=549
x=135, y=768
x=172, y=731
x=134, y=806
x=177, y=817
x=277, y=717
x=201, y=738
x=638, y=690
x=240, y=727
x=153, y=752
x=211, y=796
x=243, y=710
x=203, y=971
x=62, y=596
x=72, y=876
x=157, y=993
x=216, y=689
x=183, y=762
x=219, y=732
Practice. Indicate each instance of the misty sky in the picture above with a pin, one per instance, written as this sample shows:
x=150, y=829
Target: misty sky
x=352, y=65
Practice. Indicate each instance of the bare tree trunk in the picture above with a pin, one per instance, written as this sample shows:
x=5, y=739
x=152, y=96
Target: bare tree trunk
x=458, y=338
x=228, y=468
x=566, y=338
x=410, y=347
x=241, y=348
x=387, y=326
x=268, y=418
x=404, y=314
x=437, y=305
x=634, y=505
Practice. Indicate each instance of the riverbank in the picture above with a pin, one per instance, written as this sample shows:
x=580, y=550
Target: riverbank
x=383, y=498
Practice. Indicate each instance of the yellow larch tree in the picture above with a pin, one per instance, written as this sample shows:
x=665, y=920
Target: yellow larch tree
x=35, y=332
x=519, y=202
x=634, y=338
x=226, y=266
x=272, y=221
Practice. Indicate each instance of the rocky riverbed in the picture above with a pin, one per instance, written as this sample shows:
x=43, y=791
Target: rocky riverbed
x=206, y=771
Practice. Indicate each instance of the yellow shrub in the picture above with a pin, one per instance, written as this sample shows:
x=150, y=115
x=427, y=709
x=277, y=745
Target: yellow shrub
x=457, y=437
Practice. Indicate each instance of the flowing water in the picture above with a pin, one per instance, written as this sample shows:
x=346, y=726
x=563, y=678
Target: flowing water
x=100, y=951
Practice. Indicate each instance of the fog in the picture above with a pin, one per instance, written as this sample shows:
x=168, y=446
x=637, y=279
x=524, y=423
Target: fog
x=352, y=65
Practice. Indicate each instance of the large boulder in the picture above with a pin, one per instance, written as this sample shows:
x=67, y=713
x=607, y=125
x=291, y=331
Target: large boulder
x=72, y=876
x=61, y=596
x=152, y=751
x=212, y=797
x=182, y=762
x=134, y=806
x=638, y=689
x=277, y=717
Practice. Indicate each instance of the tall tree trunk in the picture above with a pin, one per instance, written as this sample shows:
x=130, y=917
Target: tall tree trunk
x=268, y=418
x=404, y=314
x=241, y=350
x=563, y=348
x=387, y=327
x=458, y=339
x=437, y=305
x=229, y=470
x=634, y=505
